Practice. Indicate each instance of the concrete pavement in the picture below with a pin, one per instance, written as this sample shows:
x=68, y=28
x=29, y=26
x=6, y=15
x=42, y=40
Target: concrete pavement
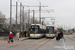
x=70, y=42
x=2, y=41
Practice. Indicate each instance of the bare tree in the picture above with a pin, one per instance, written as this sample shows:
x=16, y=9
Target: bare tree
x=3, y=22
x=18, y=18
x=2, y=18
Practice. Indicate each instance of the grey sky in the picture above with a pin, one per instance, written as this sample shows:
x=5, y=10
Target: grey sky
x=64, y=10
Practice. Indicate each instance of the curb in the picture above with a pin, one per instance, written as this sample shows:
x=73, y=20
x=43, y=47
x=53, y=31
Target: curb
x=23, y=39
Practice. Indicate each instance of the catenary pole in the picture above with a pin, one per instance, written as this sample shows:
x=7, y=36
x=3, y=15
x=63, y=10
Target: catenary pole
x=10, y=14
x=20, y=16
x=33, y=16
x=39, y=12
x=28, y=18
x=23, y=19
x=16, y=15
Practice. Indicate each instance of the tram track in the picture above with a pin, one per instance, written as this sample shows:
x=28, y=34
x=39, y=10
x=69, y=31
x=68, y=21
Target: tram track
x=34, y=40
x=21, y=43
x=35, y=44
x=42, y=44
x=43, y=41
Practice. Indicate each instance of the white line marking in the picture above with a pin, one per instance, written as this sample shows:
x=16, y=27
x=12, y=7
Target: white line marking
x=64, y=44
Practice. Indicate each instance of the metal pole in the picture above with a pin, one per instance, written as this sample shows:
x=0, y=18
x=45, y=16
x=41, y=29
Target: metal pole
x=28, y=18
x=25, y=26
x=16, y=15
x=10, y=14
x=23, y=19
x=33, y=16
x=20, y=16
x=40, y=13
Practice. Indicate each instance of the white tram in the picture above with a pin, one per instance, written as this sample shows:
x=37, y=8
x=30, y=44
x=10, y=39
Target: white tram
x=50, y=31
x=37, y=31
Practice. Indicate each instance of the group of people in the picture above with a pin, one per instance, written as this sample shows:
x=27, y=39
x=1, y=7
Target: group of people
x=10, y=39
x=59, y=35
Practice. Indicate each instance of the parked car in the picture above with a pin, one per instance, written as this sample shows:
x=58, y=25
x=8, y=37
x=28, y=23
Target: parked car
x=67, y=33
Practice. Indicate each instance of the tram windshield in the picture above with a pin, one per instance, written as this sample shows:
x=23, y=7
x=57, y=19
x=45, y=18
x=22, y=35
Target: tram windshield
x=50, y=29
x=34, y=29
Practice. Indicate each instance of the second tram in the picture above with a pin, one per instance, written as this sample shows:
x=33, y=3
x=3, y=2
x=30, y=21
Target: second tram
x=50, y=31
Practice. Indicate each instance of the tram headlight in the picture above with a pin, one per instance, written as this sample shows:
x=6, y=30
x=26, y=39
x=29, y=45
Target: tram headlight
x=38, y=34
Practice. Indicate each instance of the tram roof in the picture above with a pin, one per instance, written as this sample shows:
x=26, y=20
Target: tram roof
x=49, y=25
x=41, y=26
x=35, y=24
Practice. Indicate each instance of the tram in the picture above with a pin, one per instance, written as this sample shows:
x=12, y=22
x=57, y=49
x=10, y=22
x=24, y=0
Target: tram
x=37, y=31
x=50, y=31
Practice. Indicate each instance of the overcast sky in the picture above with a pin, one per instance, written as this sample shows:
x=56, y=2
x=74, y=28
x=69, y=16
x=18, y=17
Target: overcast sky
x=64, y=10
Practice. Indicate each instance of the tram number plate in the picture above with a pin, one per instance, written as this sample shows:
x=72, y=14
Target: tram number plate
x=49, y=34
x=34, y=35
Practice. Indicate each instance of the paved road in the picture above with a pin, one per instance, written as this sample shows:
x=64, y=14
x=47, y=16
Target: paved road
x=69, y=42
x=40, y=44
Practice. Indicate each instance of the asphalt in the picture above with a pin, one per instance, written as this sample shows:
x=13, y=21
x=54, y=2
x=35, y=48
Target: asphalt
x=54, y=45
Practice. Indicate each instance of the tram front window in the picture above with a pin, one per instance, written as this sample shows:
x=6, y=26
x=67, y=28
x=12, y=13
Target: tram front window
x=50, y=30
x=34, y=30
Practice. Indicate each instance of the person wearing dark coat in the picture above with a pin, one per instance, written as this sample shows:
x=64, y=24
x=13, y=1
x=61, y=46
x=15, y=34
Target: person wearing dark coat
x=58, y=35
x=61, y=35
